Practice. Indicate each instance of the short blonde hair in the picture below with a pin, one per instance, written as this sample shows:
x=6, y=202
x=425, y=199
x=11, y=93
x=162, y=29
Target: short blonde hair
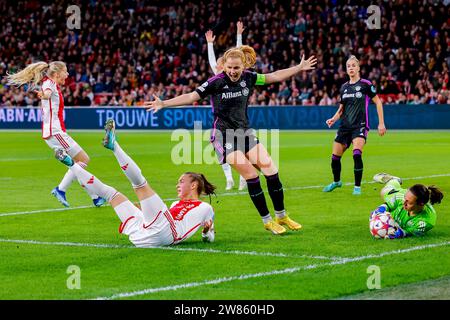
x=234, y=53
x=34, y=73
x=352, y=57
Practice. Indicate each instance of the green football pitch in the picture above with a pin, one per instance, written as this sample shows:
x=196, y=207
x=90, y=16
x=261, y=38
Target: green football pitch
x=51, y=252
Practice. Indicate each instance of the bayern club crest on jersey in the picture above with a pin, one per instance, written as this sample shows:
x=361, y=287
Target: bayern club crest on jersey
x=243, y=84
x=228, y=146
x=245, y=91
x=358, y=95
x=357, y=88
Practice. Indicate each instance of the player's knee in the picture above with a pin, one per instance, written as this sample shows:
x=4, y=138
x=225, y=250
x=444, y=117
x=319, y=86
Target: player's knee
x=82, y=157
x=385, y=190
x=249, y=173
x=117, y=199
x=86, y=159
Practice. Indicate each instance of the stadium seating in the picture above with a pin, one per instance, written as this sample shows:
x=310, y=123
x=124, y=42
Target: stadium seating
x=125, y=51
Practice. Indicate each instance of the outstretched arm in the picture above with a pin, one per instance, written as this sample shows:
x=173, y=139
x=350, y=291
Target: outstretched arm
x=336, y=116
x=182, y=100
x=281, y=75
x=381, y=126
x=211, y=56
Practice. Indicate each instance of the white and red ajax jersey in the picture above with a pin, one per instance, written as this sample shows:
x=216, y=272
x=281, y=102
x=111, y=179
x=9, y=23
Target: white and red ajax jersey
x=188, y=216
x=52, y=110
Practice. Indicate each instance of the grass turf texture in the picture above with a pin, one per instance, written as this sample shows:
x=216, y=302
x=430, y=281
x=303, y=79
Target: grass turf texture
x=334, y=224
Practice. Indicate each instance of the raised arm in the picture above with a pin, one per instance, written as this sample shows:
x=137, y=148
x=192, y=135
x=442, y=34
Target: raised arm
x=381, y=126
x=211, y=56
x=182, y=100
x=281, y=75
x=240, y=30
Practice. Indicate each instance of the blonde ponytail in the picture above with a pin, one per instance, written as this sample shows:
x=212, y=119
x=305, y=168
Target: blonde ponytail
x=34, y=73
x=250, y=56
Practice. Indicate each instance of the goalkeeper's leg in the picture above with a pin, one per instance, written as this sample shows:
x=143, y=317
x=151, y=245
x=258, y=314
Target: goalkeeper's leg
x=392, y=184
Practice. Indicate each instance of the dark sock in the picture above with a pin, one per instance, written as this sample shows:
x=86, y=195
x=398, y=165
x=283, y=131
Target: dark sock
x=336, y=167
x=275, y=191
x=358, y=169
x=257, y=195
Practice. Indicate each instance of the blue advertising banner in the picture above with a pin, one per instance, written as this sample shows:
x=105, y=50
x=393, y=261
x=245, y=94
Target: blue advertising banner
x=280, y=117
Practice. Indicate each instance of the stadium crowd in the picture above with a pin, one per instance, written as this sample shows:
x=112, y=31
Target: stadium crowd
x=125, y=51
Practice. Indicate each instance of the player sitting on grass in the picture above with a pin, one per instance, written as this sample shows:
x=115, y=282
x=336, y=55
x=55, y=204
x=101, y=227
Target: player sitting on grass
x=411, y=208
x=154, y=224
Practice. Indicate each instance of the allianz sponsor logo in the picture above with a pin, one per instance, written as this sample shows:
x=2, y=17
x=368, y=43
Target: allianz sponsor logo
x=352, y=95
x=230, y=95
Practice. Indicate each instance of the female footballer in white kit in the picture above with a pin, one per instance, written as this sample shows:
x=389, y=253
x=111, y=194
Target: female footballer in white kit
x=153, y=225
x=50, y=76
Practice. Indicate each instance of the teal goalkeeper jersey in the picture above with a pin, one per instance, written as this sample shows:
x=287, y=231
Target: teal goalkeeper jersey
x=413, y=225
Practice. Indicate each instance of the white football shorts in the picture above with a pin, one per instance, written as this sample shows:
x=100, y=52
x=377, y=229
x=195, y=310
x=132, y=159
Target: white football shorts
x=63, y=140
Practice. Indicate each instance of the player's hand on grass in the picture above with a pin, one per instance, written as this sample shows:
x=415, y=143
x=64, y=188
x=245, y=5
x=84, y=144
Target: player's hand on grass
x=207, y=225
x=154, y=105
x=308, y=64
x=381, y=129
x=210, y=37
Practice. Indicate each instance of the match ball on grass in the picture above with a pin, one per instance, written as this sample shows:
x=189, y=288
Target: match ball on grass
x=382, y=225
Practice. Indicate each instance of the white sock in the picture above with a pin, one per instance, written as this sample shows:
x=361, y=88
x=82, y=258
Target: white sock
x=242, y=180
x=129, y=167
x=227, y=170
x=267, y=218
x=92, y=184
x=66, y=181
x=280, y=214
x=91, y=194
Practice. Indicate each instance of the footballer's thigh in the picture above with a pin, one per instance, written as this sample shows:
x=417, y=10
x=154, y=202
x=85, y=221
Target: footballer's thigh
x=358, y=143
x=152, y=207
x=261, y=159
x=124, y=209
x=339, y=148
x=239, y=161
x=66, y=142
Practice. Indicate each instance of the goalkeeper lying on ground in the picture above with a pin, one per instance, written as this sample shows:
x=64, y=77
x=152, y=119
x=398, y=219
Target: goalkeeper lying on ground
x=411, y=208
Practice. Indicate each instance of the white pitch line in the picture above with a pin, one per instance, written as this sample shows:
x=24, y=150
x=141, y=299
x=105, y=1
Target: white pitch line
x=266, y=274
x=116, y=246
x=226, y=194
x=42, y=211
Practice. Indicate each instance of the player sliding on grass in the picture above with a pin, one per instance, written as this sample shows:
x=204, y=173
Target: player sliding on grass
x=50, y=76
x=354, y=127
x=232, y=137
x=411, y=208
x=152, y=225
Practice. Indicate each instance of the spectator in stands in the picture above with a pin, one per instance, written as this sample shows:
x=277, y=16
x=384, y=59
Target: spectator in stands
x=158, y=51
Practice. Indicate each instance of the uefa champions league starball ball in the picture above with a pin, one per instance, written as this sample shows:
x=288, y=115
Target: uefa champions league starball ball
x=382, y=226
